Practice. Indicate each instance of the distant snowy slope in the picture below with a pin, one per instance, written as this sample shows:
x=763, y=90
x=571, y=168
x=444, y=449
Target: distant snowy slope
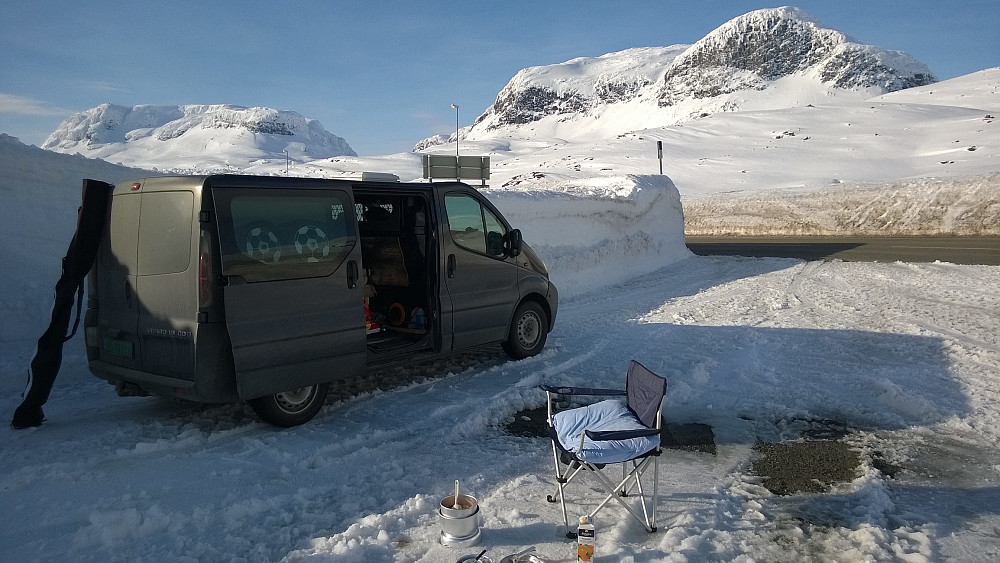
x=979, y=90
x=194, y=137
x=766, y=59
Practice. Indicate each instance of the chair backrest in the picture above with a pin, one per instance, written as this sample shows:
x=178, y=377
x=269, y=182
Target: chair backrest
x=644, y=391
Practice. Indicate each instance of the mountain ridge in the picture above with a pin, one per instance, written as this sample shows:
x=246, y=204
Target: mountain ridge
x=784, y=51
x=167, y=135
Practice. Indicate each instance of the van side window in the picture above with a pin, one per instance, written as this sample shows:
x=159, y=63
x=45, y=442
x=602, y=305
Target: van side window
x=275, y=234
x=473, y=226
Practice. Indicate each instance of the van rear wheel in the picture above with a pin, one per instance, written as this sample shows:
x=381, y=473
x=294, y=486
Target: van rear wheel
x=291, y=408
x=528, y=330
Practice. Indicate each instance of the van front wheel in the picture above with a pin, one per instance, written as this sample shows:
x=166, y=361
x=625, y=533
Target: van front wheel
x=528, y=331
x=291, y=408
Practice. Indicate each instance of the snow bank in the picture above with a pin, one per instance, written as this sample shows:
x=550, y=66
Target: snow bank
x=598, y=231
x=41, y=191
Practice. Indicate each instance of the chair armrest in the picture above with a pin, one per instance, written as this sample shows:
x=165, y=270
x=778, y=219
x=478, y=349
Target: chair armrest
x=610, y=435
x=580, y=390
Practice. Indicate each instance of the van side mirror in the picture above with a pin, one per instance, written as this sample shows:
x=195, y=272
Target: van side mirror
x=514, y=241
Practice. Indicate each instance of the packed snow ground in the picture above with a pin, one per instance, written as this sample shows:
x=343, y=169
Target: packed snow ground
x=904, y=354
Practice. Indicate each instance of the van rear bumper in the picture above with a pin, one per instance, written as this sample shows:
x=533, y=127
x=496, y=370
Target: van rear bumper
x=153, y=384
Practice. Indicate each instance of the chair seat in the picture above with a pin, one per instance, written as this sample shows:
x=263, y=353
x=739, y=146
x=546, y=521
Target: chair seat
x=601, y=417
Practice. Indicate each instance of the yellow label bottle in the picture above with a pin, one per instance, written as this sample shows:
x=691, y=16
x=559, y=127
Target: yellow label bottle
x=585, y=539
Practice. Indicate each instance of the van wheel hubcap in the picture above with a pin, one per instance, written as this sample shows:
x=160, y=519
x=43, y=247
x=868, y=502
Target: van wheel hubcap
x=528, y=330
x=295, y=400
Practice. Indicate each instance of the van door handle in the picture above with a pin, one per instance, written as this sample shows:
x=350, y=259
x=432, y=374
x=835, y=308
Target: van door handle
x=452, y=265
x=352, y=274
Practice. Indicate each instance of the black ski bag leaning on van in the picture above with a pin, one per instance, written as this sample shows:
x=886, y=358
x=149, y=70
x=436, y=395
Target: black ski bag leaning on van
x=75, y=266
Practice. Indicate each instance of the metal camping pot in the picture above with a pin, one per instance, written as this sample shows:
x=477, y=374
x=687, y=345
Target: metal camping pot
x=460, y=526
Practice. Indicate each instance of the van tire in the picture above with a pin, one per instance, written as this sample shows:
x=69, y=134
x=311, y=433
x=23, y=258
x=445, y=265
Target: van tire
x=528, y=330
x=291, y=408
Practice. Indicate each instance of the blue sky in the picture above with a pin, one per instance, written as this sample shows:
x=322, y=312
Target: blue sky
x=382, y=74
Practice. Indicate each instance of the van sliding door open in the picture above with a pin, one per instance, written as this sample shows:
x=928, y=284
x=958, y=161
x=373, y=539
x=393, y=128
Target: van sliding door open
x=291, y=263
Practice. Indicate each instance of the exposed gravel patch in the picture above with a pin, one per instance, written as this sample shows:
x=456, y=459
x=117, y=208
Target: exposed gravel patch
x=806, y=466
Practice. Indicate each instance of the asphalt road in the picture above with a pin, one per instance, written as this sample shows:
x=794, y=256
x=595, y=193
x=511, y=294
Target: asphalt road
x=956, y=250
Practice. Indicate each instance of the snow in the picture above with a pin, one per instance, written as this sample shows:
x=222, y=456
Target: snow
x=583, y=74
x=169, y=135
x=757, y=348
x=905, y=356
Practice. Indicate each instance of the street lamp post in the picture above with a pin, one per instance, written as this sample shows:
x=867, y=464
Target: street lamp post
x=458, y=165
x=456, y=129
x=286, y=161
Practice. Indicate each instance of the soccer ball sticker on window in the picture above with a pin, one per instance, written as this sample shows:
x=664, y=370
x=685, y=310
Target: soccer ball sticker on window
x=311, y=243
x=262, y=246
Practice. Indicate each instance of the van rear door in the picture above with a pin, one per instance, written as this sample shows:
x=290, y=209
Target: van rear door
x=146, y=315
x=117, y=270
x=291, y=262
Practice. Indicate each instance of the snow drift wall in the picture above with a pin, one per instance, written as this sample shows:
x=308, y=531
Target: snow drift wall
x=598, y=232
x=40, y=191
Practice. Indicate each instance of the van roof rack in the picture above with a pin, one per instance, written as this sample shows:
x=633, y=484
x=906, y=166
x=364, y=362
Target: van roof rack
x=368, y=176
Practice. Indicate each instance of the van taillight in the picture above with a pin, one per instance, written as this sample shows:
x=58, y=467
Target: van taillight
x=205, y=272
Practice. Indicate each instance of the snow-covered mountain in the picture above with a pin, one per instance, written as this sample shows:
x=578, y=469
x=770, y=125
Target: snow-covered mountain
x=579, y=86
x=758, y=48
x=766, y=59
x=190, y=137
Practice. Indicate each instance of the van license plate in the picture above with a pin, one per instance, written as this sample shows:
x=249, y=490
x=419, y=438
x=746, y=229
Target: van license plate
x=120, y=348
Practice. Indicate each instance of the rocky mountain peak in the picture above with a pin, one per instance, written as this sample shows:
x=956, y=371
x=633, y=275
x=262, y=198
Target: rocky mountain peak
x=742, y=64
x=765, y=45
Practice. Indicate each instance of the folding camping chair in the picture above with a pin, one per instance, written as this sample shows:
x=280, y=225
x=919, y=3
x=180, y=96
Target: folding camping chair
x=608, y=432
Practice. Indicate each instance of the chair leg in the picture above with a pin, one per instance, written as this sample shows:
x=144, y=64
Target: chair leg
x=623, y=492
x=656, y=496
x=642, y=500
x=563, y=478
x=560, y=484
x=612, y=489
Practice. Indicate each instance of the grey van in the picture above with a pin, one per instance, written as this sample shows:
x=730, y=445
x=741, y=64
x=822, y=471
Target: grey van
x=266, y=289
